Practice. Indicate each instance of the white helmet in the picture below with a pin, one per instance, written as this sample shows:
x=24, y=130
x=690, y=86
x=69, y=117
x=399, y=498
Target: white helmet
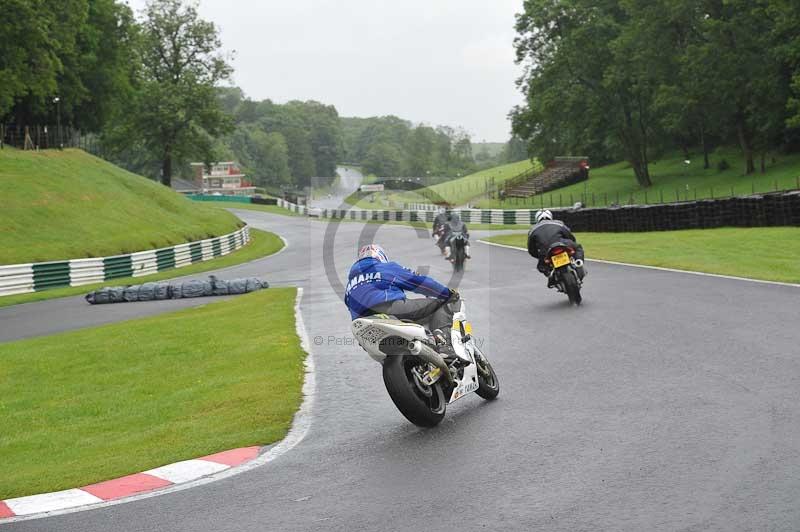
x=374, y=251
x=543, y=214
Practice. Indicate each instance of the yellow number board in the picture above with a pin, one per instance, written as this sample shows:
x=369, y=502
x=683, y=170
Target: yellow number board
x=562, y=259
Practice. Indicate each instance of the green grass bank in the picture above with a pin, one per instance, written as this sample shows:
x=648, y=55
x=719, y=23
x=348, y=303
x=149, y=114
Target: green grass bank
x=456, y=192
x=100, y=403
x=59, y=205
x=673, y=180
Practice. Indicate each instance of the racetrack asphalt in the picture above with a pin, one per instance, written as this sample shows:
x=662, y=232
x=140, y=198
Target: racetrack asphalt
x=666, y=402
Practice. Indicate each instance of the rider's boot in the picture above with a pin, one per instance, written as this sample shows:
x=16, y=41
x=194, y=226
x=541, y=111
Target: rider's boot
x=443, y=346
x=466, y=252
x=447, y=252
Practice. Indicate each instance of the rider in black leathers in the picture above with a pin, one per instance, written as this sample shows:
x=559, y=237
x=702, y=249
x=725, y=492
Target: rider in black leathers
x=455, y=225
x=441, y=220
x=547, y=232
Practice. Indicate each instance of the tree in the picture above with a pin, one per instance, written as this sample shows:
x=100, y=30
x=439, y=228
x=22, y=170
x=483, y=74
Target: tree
x=176, y=113
x=583, y=79
x=322, y=123
x=746, y=72
x=384, y=159
x=263, y=156
x=419, y=151
x=33, y=45
x=103, y=65
x=78, y=50
x=514, y=150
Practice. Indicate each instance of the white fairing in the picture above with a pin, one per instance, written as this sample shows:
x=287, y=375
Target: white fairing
x=465, y=350
x=370, y=331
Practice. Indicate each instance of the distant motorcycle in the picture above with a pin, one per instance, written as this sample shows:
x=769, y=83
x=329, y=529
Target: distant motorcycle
x=458, y=250
x=419, y=380
x=564, y=271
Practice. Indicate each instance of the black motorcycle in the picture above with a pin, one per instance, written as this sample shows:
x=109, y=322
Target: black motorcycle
x=458, y=252
x=564, y=271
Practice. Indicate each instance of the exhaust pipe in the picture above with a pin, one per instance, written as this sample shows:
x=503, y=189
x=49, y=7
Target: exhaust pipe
x=429, y=355
x=579, y=263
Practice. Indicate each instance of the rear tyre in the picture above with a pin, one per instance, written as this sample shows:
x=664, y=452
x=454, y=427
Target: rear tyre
x=422, y=405
x=488, y=383
x=572, y=288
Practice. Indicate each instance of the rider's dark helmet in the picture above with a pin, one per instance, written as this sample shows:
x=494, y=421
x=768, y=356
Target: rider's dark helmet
x=455, y=218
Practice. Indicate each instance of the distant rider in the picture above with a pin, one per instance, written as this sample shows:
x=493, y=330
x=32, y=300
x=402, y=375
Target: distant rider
x=455, y=225
x=547, y=232
x=378, y=286
x=441, y=218
x=439, y=222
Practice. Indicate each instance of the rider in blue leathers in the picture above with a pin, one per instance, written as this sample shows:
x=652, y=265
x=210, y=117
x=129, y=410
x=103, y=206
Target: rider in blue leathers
x=378, y=286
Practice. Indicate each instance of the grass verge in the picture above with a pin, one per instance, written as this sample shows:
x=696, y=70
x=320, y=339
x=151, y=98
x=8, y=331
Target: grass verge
x=704, y=250
x=457, y=191
x=262, y=244
x=99, y=403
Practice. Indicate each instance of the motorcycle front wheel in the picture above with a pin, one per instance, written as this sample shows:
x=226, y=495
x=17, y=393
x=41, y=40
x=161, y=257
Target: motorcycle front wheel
x=458, y=262
x=488, y=383
x=422, y=405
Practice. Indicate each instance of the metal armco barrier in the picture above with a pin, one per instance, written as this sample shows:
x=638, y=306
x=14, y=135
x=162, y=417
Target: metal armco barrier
x=777, y=209
x=24, y=278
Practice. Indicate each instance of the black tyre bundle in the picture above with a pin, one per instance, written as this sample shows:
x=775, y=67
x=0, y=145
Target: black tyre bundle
x=185, y=289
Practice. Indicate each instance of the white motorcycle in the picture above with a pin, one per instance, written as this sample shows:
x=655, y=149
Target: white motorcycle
x=420, y=381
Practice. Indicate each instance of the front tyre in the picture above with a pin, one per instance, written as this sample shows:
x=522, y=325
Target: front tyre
x=422, y=405
x=488, y=383
x=458, y=258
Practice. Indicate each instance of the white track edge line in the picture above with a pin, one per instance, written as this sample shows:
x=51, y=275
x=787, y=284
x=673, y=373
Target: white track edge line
x=300, y=426
x=660, y=268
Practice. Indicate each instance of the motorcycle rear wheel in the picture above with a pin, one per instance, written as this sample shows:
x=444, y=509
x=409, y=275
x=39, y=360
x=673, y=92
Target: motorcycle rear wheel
x=408, y=396
x=572, y=288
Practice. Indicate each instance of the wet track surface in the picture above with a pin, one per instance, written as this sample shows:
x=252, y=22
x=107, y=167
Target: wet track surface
x=666, y=402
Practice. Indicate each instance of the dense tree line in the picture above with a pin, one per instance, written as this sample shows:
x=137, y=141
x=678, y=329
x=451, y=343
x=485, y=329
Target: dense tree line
x=147, y=88
x=79, y=51
x=631, y=79
x=151, y=90
x=393, y=147
x=390, y=146
x=282, y=144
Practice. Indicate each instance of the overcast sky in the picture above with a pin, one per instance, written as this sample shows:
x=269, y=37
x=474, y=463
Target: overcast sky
x=435, y=61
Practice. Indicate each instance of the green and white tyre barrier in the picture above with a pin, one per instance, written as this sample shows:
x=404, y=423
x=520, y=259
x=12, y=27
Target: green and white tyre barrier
x=475, y=216
x=420, y=207
x=299, y=209
x=24, y=278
